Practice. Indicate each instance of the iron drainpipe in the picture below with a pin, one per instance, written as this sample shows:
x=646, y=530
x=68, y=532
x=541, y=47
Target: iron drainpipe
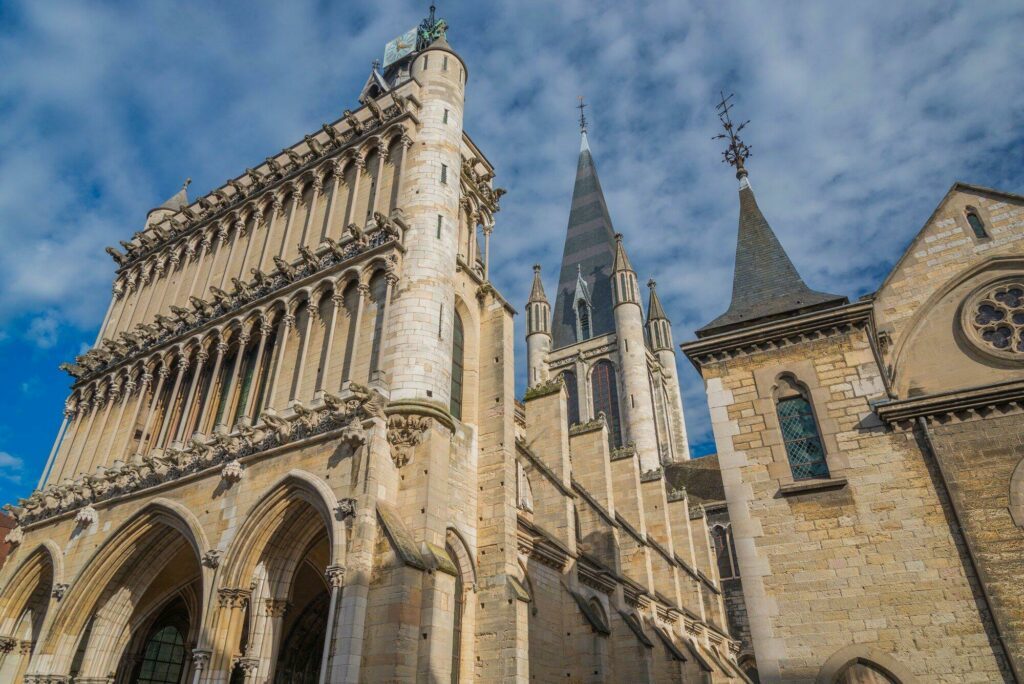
x=926, y=433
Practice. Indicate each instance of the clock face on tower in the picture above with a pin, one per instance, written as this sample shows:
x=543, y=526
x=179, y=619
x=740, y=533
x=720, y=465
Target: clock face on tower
x=399, y=47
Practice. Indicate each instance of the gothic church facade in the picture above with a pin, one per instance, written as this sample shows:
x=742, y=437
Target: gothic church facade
x=294, y=453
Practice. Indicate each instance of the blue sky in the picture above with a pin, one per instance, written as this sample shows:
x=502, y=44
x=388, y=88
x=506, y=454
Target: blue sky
x=862, y=116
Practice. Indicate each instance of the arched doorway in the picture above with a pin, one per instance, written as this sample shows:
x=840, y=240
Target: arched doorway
x=26, y=603
x=162, y=657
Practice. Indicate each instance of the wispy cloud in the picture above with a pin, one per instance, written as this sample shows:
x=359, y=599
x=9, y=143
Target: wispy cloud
x=10, y=468
x=863, y=114
x=42, y=330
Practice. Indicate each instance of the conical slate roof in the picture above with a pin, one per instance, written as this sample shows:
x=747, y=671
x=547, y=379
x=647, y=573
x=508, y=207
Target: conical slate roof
x=655, y=312
x=589, y=251
x=537, y=291
x=765, y=283
x=178, y=200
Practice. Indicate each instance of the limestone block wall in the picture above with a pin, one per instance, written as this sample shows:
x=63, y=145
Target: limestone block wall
x=979, y=458
x=873, y=563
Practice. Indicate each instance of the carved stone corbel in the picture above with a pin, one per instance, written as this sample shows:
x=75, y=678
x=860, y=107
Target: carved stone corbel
x=405, y=433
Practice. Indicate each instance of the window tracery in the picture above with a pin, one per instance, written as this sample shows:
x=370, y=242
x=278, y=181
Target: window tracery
x=994, y=318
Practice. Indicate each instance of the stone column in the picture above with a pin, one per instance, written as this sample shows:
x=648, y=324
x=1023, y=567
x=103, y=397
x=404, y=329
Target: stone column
x=230, y=396
x=276, y=210
x=488, y=228
x=147, y=380
x=222, y=348
x=98, y=399
x=325, y=366
x=337, y=182
x=200, y=662
x=222, y=238
x=364, y=291
x=382, y=158
x=257, y=374
x=99, y=453
x=163, y=373
x=186, y=409
x=360, y=164
x=169, y=410
x=204, y=249
x=336, y=579
x=286, y=324
x=318, y=189
x=300, y=366
x=295, y=192
x=239, y=225
x=406, y=143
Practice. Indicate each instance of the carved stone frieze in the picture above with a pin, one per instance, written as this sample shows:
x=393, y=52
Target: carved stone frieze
x=344, y=413
x=233, y=598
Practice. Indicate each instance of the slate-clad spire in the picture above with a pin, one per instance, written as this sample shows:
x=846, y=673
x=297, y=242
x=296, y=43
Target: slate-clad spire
x=765, y=283
x=589, y=251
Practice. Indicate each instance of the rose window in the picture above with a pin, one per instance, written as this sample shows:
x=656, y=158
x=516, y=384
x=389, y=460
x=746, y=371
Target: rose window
x=995, y=318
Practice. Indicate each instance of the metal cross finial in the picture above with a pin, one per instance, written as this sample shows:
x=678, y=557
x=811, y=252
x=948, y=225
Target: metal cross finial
x=376, y=64
x=737, y=151
x=583, y=116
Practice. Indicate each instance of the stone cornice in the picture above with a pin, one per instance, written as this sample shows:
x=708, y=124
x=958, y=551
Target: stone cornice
x=1004, y=398
x=811, y=326
x=322, y=146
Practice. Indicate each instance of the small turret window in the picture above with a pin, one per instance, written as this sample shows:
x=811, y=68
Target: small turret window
x=977, y=225
x=444, y=173
x=458, y=356
x=582, y=321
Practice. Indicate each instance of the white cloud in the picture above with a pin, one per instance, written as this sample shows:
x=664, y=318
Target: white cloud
x=863, y=114
x=42, y=330
x=10, y=467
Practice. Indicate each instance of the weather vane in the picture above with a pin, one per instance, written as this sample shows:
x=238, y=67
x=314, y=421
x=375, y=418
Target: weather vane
x=737, y=151
x=583, y=117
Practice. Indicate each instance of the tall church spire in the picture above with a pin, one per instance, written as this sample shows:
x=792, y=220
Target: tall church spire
x=589, y=253
x=765, y=283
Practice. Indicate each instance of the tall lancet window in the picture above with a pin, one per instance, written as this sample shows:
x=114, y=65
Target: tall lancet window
x=606, y=399
x=572, y=397
x=458, y=358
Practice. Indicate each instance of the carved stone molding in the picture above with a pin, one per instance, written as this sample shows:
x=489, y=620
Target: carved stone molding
x=59, y=590
x=15, y=536
x=276, y=608
x=201, y=658
x=405, y=433
x=7, y=644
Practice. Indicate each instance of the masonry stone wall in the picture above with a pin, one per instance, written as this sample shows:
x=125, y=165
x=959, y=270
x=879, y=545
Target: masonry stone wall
x=874, y=562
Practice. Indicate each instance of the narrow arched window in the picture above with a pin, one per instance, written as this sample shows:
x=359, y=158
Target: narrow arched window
x=582, y=321
x=458, y=609
x=606, y=399
x=800, y=433
x=458, y=358
x=977, y=225
x=378, y=294
x=572, y=397
x=725, y=552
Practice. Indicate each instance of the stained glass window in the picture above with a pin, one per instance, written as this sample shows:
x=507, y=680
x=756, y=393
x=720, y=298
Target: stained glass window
x=998, y=318
x=606, y=399
x=800, y=434
x=458, y=356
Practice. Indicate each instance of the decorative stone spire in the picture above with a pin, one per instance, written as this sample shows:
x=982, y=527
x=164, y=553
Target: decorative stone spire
x=659, y=329
x=765, y=284
x=587, y=257
x=537, y=294
x=624, y=283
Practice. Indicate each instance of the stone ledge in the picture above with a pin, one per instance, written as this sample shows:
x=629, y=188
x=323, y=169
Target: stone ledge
x=815, y=485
